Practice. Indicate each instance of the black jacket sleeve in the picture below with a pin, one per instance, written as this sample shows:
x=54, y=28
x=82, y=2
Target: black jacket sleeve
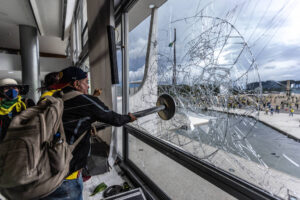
x=100, y=112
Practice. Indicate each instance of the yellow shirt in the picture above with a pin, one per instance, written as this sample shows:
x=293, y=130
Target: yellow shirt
x=72, y=176
x=49, y=93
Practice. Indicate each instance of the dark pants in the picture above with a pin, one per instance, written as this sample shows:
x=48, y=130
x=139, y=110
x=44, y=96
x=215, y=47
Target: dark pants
x=69, y=189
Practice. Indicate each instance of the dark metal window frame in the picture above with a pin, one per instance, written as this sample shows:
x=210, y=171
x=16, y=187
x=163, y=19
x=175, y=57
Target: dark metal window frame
x=124, y=6
x=84, y=30
x=229, y=183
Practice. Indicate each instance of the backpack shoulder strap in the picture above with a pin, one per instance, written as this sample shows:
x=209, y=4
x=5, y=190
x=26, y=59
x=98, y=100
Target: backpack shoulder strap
x=70, y=95
x=73, y=146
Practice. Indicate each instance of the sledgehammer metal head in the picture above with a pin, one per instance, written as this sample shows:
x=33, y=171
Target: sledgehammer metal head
x=165, y=107
x=169, y=104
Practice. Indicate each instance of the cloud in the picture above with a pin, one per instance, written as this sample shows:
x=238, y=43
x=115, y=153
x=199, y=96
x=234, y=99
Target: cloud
x=288, y=76
x=282, y=70
x=281, y=65
x=138, y=48
x=269, y=67
x=278, y=52
x=137, y=75
x=270, y=28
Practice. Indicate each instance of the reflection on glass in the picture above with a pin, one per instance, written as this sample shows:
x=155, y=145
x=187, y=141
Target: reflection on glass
x=175, y=180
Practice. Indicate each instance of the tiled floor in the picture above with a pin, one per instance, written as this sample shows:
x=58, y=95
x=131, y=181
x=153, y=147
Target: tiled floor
x=110, y=178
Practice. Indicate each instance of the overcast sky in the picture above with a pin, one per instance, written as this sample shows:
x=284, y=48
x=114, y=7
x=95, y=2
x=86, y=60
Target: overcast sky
x=271, y=30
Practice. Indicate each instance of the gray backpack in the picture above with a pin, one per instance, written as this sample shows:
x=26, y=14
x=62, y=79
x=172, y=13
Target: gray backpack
x=34, y=155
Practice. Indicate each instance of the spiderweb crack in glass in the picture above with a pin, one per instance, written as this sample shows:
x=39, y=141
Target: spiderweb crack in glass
x=217, y=106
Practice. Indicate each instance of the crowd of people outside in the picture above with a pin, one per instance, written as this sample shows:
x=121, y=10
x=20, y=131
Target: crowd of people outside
x=283, y=104
x=268, y=104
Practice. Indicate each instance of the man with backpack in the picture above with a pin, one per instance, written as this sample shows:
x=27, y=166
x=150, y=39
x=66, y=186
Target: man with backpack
x=78, y=115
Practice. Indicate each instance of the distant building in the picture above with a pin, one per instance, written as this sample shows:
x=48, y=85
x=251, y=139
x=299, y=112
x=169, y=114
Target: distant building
x=295, y=87
x=287, y=86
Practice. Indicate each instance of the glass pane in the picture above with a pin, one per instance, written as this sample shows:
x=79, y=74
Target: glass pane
x=85, y=37
x=86, y=67
x=74, y=47
x=119, y=89
x=78, y=31
x=230, y=67
x=84, y=13
x=84, y=33
x=172, y=178
x=138, y=39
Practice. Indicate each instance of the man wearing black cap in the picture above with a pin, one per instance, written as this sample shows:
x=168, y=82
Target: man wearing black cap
x=79, y=113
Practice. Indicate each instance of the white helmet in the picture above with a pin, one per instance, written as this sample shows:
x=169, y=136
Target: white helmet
x=8, y=82
x=23, y=89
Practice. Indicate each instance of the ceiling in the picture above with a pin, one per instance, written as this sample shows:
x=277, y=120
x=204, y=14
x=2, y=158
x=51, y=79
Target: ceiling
x=47, y=16
x=142, y=10
x=49, y=20
x=16, y=12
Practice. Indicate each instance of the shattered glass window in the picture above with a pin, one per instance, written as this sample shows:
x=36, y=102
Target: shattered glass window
x=232, y=70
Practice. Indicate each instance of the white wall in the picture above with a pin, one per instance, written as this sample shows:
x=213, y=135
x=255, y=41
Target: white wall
x=11, y=66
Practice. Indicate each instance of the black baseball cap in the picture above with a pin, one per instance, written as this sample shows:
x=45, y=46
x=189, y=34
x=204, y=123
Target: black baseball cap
x=71, y=74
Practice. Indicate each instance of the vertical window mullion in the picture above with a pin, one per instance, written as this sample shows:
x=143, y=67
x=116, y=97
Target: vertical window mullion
x=125, y=73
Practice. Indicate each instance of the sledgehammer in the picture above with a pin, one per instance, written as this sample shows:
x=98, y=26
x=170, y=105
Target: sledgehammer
x=165, y=108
